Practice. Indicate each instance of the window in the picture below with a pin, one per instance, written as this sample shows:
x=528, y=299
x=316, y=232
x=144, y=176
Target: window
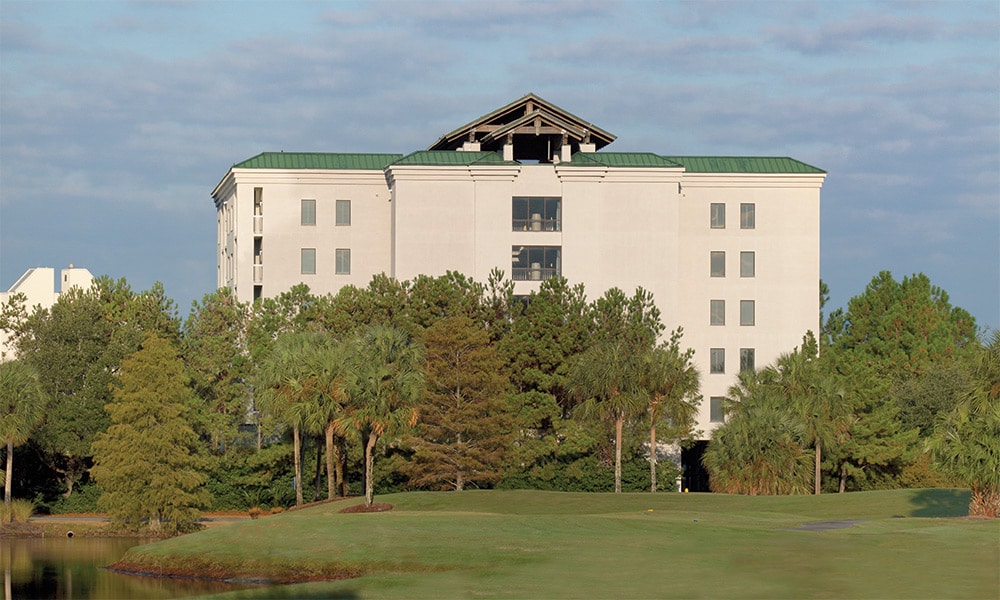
x=534, y=263
x=308, y=260
x=747, y=266
x=537, y=214
x=343, y=261
x=343, y=212
x=308, y=212
x=718, y=216
x=718, y=413
x=718, y=310
x=746, y=312
x=717, y=360
x=718, y=264
x=748, y=219
x=747, y=362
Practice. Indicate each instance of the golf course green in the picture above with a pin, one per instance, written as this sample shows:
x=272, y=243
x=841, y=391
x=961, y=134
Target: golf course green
x=530, y=544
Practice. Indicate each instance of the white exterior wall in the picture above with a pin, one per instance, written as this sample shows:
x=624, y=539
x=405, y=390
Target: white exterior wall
x=282, y=236
x=623, y=227
x=39, y=287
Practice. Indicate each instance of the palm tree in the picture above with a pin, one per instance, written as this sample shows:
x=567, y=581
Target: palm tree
x=759, y=449
x=606, y=378
x=22, y=405
x=671, y=382
x=289, y=384
x=965, y=440
x=384, y=384
x=327, y=411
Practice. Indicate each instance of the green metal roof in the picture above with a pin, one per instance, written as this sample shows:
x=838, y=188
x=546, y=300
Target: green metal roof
x=620, y=159
x=744, y=164
x=318, y=160
x=452, y=158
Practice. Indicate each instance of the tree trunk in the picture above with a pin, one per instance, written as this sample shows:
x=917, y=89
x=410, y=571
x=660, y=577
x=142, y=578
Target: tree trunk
x=819, y=460
x=330, y=482
x=8, y=478
x=342, y=467
x=296, y=448
x=652, y=458
x=369, y=469
x=619, y=420
x=319, y=472
x=843, y=478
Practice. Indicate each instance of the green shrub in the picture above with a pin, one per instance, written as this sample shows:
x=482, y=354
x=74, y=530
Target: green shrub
x=82, y=500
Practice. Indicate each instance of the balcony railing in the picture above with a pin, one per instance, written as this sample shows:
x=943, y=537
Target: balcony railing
x=533, y=273
x=537, y=224
x=258, y=273
x=258, y=224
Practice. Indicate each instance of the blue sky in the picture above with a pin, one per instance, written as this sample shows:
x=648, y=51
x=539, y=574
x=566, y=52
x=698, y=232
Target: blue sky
x=118, y=118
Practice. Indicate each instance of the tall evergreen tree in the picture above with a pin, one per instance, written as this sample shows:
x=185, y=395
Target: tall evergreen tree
x=464, y=429
x=147, y=463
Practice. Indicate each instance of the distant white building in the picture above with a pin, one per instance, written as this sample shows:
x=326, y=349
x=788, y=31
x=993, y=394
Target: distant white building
x=729, y=246
x=39, y=287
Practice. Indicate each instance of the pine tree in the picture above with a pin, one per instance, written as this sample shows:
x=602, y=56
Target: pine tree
x=464, y=429
x=147, y=463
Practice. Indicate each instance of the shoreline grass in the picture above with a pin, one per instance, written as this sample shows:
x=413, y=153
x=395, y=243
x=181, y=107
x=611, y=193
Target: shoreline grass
x=529, y=544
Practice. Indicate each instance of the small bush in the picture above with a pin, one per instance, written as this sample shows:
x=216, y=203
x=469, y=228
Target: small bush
x=19, y=511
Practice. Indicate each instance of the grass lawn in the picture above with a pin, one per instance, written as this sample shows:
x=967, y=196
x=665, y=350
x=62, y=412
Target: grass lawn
x=527, y=544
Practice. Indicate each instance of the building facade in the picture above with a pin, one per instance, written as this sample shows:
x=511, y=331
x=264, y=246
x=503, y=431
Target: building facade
x=38, y=287
x=729, y=246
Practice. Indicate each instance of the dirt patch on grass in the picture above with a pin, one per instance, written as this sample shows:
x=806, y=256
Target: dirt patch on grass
x=257, y=573
x=364, y=508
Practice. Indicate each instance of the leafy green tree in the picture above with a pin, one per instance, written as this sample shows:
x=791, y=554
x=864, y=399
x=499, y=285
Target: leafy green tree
x=289, y=387
x=760, y=449
x=967, y=440
x=21, y=409
x=328, y=411
x=464, y=429
x=670, y=382
x=606, y=378
x=900, y=328
x=384, y=384
x=147, y=463
x=215, y=350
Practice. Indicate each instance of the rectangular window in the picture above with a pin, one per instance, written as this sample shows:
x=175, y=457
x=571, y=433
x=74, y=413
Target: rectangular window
x=308, y=212
x=747, y=361
x=718, y=312
x=536, y=213
x=308, y=260
x=534, y=263
x=746, y=312
x=718, y=413
x=718, y=215
x=718, y=264
x=717, y=360
x=343, y=261
x=343, y=212
x=747, y=218
x=747, y=264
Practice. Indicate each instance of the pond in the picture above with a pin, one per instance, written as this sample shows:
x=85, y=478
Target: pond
x=73, y=568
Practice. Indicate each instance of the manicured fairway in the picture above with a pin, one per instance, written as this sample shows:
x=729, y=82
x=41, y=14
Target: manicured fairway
x=491, y=544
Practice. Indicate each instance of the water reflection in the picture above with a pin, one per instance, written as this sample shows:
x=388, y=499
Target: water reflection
x=72, y=568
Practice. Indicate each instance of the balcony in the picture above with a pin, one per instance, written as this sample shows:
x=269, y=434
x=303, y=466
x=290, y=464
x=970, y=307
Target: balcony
x=258, y=225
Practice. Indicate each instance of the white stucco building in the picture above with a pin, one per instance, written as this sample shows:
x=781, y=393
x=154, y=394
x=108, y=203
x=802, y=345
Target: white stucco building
x=38, y=285
x=729, y=246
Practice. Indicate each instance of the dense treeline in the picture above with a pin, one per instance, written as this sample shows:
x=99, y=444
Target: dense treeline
x=435, y=383
x=447, y=383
